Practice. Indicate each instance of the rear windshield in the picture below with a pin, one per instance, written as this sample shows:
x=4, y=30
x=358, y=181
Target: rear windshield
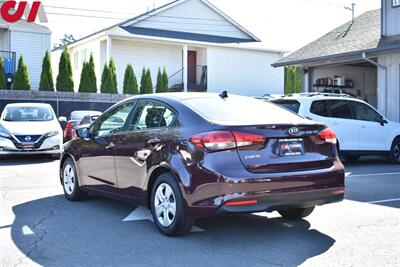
x=291, y=105
x=79, y=115
x=240, y=110
x=28, y=113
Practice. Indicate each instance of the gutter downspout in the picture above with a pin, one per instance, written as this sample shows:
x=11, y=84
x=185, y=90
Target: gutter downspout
x=378, y=65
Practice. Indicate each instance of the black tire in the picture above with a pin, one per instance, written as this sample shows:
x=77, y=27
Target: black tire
x=352, y=158
x=298, y=213
x=394, y=156
x=181, y=223
x=76, y=192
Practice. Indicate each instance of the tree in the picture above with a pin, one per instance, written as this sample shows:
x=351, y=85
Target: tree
x=65, y=41
x=106, y=81
x=21, y=78
x=91, y=82
x=83, y=84
x=160, y=82
x=113, y=71
x=297, y=80
x=146, y=85
x=65, y=82
x=293, y=80
x=46, y=77
x=130, y=81
x=149, y=82
x=143, y=82
x=165, y=78
x=3, y=82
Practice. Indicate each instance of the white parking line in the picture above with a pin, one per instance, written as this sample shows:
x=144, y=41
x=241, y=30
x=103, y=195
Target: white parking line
x=349, y=174
x=384, y=201
x=144, y=214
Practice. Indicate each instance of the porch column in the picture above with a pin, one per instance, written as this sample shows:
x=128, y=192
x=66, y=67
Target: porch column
x=184, y=67
x=109, y=43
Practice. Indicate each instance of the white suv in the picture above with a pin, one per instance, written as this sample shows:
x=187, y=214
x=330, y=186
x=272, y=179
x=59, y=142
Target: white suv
x=361, y=129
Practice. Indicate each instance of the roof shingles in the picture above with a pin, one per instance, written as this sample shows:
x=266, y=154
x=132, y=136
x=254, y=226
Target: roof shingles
x=363, y=34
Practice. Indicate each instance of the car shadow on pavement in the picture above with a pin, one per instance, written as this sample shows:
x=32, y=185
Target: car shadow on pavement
x=16, y=160
x=54, y=231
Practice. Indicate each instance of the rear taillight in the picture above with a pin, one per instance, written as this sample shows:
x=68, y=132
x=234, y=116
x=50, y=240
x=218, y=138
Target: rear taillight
x=223, y=140
x=69, y=125
x=69, y=130
x=327, y=135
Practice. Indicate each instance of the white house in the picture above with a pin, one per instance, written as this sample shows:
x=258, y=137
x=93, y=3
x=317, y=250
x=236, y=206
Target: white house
x=201, y=48
x=28, y=39
x=365, y=52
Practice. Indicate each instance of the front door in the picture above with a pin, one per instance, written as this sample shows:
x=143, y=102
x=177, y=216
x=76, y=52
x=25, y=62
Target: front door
x=97, y=164
x=373, y=135
x=192, y=63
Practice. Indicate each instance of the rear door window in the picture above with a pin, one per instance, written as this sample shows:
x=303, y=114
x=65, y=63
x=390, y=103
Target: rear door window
x=332, y=108
x=339, y=109
x=291, y=105
x=152, y=114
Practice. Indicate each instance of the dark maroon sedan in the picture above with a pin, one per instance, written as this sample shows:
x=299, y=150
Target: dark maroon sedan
x=191, y=155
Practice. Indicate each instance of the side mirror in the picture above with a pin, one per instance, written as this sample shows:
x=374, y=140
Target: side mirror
x=62, y=119
x=83, y=132
x=383, y=121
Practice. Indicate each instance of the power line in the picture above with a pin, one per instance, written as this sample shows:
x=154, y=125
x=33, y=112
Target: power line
x=89, y=10
x=85, y=16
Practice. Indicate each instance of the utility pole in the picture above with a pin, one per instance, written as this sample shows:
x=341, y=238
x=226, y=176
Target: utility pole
x=352, y=9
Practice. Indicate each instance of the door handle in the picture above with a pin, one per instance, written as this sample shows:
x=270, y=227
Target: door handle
x=154, y=142
x=110, y=145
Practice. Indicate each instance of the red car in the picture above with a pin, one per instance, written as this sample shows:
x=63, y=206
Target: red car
x=74, y=120
x=192, y=155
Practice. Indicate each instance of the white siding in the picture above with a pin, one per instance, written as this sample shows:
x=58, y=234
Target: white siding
x=192, y=16
x=364, y=80
x=148, y=55
x=80, y=54
x=390, y=19
x=33, y=47
x=389, y=86
x=245, y=72
x=2, y=39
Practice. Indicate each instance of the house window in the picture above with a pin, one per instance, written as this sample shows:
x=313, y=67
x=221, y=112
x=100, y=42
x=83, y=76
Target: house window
x=396, y=3
x=76, y=60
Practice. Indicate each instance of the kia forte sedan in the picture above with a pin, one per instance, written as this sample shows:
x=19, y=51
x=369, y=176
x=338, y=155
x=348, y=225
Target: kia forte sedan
x=192, y=155
x=30, y=128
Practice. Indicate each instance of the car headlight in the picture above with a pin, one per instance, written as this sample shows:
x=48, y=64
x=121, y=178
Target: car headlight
x=5, y=134
x=51, y=134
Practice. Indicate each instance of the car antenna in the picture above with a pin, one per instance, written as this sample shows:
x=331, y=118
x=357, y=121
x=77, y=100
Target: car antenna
x=224, y=94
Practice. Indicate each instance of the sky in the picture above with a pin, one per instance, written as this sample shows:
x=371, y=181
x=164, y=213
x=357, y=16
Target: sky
x=281, y=24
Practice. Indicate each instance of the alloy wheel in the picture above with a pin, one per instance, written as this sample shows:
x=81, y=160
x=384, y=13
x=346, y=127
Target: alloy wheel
x=69, y=179
x=165, y=205
x=396, y=152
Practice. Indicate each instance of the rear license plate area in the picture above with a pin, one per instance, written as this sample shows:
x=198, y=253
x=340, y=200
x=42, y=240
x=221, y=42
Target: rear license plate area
x=291, y=147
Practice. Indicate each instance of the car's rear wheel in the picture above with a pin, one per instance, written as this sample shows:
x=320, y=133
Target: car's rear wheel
x=352, y=158
x=297, y=213
x=168, y=207
x=394, y=155
x=70, y=182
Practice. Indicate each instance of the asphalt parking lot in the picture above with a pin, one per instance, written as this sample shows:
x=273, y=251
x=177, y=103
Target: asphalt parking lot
x=39, y=226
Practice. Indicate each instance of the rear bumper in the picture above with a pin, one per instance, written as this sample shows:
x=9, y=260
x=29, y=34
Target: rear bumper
x=288, y=200
x=271, y=191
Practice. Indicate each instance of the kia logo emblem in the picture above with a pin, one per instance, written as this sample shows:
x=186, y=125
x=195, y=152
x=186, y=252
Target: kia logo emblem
x=28, y=138
x=293, y=131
